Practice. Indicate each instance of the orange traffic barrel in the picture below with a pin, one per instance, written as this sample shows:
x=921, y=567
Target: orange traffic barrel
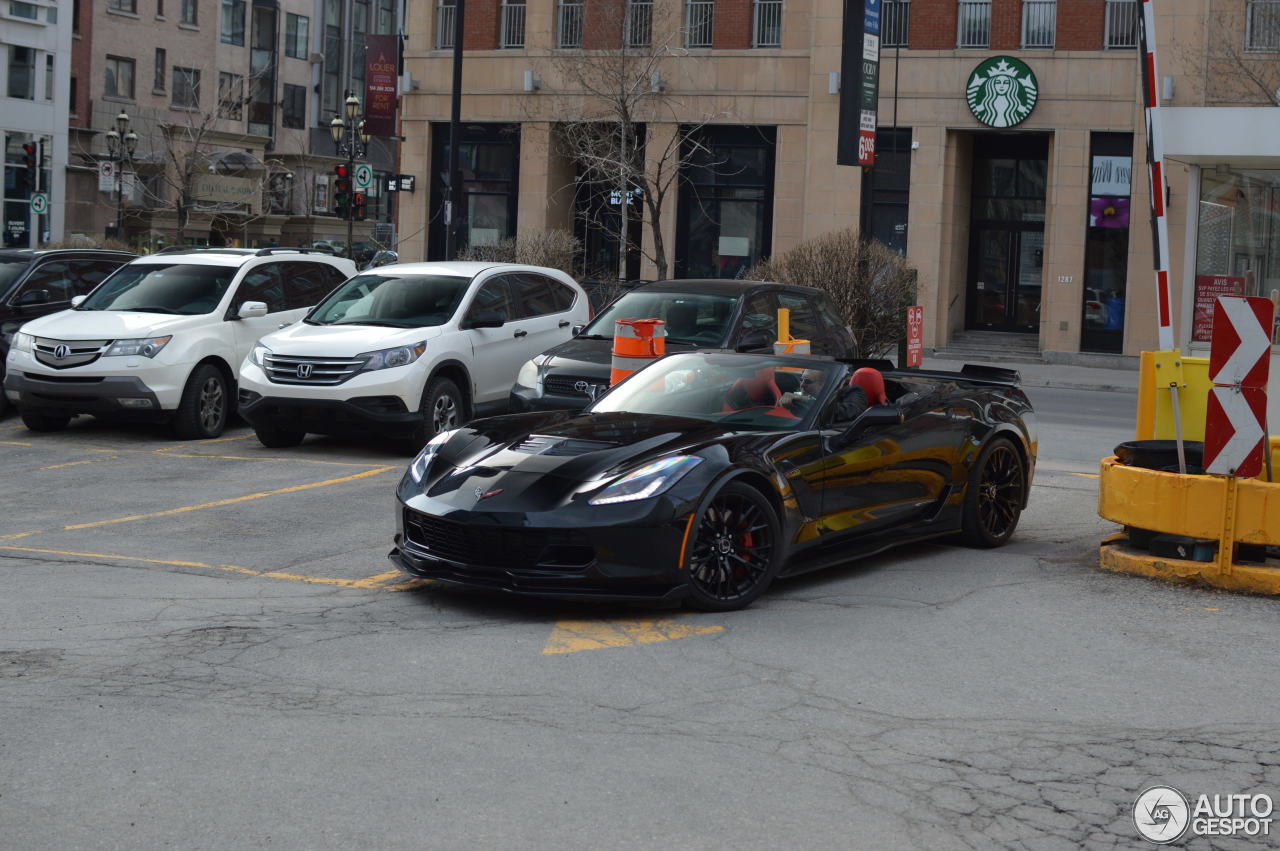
x=636, y=344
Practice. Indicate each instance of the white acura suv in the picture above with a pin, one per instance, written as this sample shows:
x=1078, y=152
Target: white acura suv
x=407, y=350
x=162, y=337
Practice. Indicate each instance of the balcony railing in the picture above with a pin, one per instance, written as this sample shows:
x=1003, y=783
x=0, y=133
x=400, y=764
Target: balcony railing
x=766, y=25
x=444, y=24
x=895, y=23
x=1263, y=32
x=569, y=25
x=1039, y=22
x=1122, y=24
x=975, y=23
x=639, y=24
x=512, y=24
x=699, y=18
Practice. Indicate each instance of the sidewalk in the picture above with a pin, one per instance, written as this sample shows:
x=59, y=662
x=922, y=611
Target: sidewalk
x=1058, y=375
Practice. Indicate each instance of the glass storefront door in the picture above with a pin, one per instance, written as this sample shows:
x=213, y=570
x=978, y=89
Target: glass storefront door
x=1006, y=276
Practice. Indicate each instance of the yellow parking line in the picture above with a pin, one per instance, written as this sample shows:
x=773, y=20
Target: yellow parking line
x=264, y=458
x=369, y=582
x=1086, y=475
x=16, y=443
x=232, y=500
x=18, y=535
x=76, y=463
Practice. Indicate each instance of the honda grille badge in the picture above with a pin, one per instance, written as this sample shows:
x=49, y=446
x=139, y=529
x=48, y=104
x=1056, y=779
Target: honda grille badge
x=61, y=351
x=304, y=370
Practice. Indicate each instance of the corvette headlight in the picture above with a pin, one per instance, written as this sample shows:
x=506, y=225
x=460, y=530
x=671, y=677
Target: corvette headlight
x=23, y=342
x=418, y=468
x=258, y=354
x=399, y=356
x=650, y=480
x=148, y=347
x=528, y=375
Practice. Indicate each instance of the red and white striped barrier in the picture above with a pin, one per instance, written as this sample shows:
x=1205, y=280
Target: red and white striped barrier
x=1155, y=162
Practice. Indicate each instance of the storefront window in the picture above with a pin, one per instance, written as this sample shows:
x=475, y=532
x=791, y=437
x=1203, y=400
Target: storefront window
x=1238, y=240
x=489, y=159
x=1106, y=253
x=886, y=189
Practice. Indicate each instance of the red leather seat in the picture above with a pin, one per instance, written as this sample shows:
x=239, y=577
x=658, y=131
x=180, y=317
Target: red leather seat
x=762, y=390
x=872, y=383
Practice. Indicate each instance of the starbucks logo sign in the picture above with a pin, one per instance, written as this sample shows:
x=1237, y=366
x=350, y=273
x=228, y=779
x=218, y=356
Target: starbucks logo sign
x=1002, y=91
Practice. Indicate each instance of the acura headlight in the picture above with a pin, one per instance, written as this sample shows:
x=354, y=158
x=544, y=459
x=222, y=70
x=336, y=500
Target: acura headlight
x=23, y=342
x=418, y=468
x=148, y=347
x=650, y=480
x=528, y=375
x=399, y=356
x=258, y=355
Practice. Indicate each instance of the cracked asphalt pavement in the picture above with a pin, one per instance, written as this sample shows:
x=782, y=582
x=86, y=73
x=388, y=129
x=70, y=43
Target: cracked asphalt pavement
x=202, y=645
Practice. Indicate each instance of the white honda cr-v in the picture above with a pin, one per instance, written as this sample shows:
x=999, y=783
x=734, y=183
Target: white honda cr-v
x=161, y=338
x=407, y=350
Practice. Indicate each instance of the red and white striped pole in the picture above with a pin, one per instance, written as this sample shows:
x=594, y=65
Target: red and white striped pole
x=1155, y=164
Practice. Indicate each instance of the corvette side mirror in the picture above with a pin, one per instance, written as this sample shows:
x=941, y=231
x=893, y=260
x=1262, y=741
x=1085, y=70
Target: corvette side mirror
x=877, y=416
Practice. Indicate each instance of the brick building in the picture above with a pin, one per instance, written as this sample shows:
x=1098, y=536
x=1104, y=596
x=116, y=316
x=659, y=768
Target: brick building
x=1028, y=229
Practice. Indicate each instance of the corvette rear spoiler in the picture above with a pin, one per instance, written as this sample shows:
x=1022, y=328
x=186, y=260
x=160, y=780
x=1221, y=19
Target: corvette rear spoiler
x=970, y=371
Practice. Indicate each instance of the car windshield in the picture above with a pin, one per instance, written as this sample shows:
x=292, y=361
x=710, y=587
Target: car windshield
x=186, y=289
x=746, y=391
x=10, y=269
x=693, y=318
x=392, y=299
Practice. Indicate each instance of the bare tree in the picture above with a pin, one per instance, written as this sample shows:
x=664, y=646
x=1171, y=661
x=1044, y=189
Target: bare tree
x=1236, y=72
x=612, y=89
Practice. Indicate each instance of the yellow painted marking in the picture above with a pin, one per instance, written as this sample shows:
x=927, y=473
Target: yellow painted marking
x=411, y=585
x=1086, y=475
x=16, y=443
x=232, y=500
x=369, y=582
x=264, y=458
x=572, y=636
x=77, y=463
x=17, y=535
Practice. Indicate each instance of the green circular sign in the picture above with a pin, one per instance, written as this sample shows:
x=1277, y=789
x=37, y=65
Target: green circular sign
x=1002, y=91
x=39, y=203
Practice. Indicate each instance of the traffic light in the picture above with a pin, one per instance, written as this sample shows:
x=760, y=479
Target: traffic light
x=357, y=207
x=30, y=165
x=341, y=192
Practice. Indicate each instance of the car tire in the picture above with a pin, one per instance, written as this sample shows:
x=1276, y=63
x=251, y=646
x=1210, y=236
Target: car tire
x=273, y=438
x=994, y=495
x=203, y=412
x=442, y=409
x=36, y=421
x=728, y=562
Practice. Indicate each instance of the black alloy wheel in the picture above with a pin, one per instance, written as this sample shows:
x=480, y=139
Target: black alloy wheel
x=203, y=411
x=996, y=492
x=734, y=554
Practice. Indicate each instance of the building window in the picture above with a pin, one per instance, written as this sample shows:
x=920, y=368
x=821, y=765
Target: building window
x=262, y=71
x=18, y=9
x=1263, y=32
x=295, y=107
x=1039, y=22
x=1122, y=24
x=230, y=95
x=127, y=6
x=895, y=23
x=233, y=21
x=161, y=64
x=512, y=23
x=48, y=76
x=725, y=211
x=22, y=72
x=119, y=82
x=1237, y=241
x=331, y=71
x=569, y=23
x=444, y=23
x=975, y=23
x=490, y=159
x=160, y=9
x=297, y=36
x=886, y=189
x=75, y=90
x=766, y=23
x=186, y=88
x=639, y=23
x=190, y=13
x=699, y=21
x=1106, y=252
x=75, y=17
x=359, y=47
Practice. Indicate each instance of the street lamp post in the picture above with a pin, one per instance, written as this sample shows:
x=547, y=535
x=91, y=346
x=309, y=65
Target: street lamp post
x=121, y=143
x=351, y=142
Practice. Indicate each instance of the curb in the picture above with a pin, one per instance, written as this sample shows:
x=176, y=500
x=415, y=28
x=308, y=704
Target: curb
x=1078, y=385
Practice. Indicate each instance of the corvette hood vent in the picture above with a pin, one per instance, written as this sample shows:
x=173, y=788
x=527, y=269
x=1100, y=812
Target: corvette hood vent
x=541, y=444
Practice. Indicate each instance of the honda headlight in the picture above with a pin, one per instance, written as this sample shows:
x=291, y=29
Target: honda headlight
x=650, y=480
x=418, y=469
x=148, y=347
x=259, y=354
x=23, y=342
x=399, y=356
x=528, y=375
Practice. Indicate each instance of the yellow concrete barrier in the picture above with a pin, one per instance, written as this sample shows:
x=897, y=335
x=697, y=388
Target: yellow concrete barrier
x=1156, y=370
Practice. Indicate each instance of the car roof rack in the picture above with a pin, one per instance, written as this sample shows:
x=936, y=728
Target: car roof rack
x=276, y=249
x=195, y=249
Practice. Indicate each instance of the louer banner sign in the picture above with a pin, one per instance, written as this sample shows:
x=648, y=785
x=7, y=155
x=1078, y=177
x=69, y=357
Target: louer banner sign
x=382, y=63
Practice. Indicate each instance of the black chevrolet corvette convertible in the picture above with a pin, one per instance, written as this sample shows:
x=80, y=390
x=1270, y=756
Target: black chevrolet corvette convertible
x=706, y=475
